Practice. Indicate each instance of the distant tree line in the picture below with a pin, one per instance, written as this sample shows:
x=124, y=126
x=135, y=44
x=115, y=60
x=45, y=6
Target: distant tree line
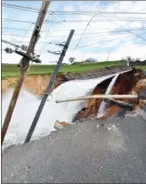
x=132, y=62
x=89, y=60
x=128, y=61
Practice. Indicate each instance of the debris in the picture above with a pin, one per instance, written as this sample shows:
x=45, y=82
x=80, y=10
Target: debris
x=60, y=125
x=140, y=89
x=125, y=84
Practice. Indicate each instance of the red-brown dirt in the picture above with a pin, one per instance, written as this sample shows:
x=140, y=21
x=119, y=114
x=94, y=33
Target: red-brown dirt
x=124, y=85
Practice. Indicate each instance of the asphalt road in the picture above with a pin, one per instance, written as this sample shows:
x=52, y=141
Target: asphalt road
x=82, y=153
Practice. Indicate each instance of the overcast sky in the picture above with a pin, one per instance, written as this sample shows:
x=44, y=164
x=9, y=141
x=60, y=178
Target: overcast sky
x=121, y=35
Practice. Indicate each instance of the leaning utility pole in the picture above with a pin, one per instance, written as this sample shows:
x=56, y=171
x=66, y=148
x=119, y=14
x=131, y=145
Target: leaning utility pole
x=24, y=65
x=48, y=90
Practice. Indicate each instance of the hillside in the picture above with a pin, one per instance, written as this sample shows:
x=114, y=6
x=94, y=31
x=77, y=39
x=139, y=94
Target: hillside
x=39, y=75
x=37, y=83
x=9, y=70
x=12, y=69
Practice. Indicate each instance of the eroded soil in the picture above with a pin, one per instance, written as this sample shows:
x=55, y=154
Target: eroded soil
x=134, y=80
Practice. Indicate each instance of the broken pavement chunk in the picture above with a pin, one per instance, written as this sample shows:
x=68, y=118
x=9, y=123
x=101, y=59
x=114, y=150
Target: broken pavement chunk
x=60, y=125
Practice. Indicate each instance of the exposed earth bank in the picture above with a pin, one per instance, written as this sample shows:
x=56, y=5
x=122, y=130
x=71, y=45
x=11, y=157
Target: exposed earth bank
x=125, y=84
x=38, y=83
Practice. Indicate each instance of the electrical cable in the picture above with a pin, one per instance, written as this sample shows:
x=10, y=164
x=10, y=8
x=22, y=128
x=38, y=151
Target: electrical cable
x=96, y=43
x=72, y=12
x=71, y=21
x=125, y=29
x=47, y=35
x=137, y=28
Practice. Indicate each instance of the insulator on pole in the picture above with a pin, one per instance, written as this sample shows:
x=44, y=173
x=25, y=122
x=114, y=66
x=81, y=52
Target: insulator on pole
x=9, y=50
x=24, y=47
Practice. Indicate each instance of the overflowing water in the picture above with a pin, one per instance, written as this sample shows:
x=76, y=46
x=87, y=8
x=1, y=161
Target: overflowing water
x=27, y=105
x=102, y=108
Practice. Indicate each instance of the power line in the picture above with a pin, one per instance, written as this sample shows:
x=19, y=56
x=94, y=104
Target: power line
x=106, y=19
x=20, y=7
x=55, y=30
x=40, y=42
x=96, y=43
x=88, y=23
x=47, y=34
x=36, y=11
x=28, y=36
x=22, y=21
x=100, y=12
x=110, y=33
x=26, y=32
x=138, y=36
x=94, y=33
x=73, y=12
x=19, y=29
x=70, y=21
x=59, y=36
x=7, y=42
x=85, y=30
x=56, y=12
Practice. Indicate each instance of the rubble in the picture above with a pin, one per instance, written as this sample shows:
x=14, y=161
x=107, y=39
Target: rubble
x=126, y=83
x=60, y=125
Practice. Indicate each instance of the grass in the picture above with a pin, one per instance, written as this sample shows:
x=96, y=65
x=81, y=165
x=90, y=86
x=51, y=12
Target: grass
x=143, y=67
x=9, y=70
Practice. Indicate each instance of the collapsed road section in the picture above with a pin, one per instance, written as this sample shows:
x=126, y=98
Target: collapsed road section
x=83, y=152
x=64, y=114
x=127, y=82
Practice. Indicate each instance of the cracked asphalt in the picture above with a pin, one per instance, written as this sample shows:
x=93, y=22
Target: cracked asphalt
x=82, y=153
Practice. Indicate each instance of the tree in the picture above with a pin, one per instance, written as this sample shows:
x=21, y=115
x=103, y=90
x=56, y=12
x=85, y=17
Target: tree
x=71, y=59
x=91, y=60
x=129, y=59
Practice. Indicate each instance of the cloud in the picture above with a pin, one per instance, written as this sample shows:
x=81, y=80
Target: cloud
x=98, y=41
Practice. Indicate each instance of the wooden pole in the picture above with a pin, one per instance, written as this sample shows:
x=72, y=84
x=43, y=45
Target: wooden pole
x=24, y=65
x=100, y=97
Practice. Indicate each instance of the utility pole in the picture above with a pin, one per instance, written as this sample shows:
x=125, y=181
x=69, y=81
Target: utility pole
x=108, y=56
x=24, y=65
x=48, y=90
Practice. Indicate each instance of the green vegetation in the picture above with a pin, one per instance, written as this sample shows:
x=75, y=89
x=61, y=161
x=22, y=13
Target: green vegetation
x=12, y=69
x=143, y=67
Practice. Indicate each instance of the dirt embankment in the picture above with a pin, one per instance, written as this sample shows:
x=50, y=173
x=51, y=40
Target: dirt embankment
x=33, y=83
x=125, y=84
x=38, y=83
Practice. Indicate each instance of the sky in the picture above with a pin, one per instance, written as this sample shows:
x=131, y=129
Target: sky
x=97, y=35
